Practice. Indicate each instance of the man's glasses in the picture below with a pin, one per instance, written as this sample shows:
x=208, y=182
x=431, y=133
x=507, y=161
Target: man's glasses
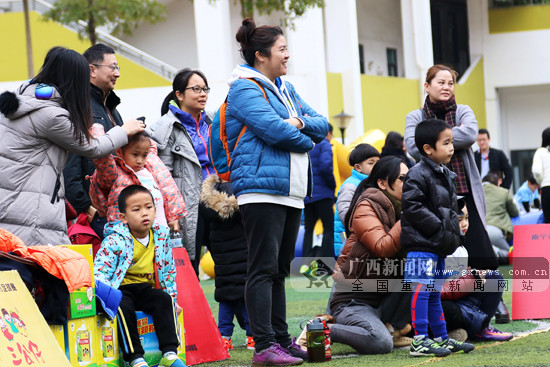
x=198, y=89
x=112, y=67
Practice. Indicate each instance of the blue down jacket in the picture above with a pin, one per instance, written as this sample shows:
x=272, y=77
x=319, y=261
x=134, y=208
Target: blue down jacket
x=261, y=160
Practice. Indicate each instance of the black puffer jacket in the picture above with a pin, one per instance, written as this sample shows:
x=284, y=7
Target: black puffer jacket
x=429, y=218
x=227, y=239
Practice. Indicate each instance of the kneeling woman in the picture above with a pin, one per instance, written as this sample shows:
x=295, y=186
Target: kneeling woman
x=374, y=231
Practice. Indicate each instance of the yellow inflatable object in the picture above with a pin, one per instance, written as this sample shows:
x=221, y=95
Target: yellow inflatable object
x=207, y=265
x=374, y=137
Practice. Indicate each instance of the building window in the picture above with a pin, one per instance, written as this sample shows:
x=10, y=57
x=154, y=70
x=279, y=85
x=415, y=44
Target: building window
x=361, y=59
x=509, y=3
x=391, y=55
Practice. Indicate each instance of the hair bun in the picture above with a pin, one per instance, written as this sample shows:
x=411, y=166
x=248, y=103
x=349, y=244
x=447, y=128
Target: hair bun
x=245, y=32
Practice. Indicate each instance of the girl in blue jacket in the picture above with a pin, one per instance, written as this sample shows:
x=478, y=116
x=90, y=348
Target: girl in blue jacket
x=270, y=177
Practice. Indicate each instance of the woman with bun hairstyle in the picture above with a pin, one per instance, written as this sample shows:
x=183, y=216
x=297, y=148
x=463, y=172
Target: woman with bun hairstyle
x=182, y=135
x=40, y=123
x=270, y=131
x=440, y=104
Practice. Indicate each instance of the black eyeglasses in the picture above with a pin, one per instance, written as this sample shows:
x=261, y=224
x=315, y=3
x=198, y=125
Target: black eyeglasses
x=198, y=89
x=112, y=67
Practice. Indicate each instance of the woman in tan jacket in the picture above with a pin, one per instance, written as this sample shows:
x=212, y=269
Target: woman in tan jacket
x=374, y=231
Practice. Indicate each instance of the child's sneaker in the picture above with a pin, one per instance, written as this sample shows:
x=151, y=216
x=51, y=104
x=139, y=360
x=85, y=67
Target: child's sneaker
x=227, y=343
x=275, y=355
x=170, y=359
x=250, y=343
x=490, y=333
x=139, y=362
x=455, y=346
x=424, y=346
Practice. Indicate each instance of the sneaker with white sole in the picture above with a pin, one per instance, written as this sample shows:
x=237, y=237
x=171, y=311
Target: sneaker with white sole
x=455, y=346
x=424, y=346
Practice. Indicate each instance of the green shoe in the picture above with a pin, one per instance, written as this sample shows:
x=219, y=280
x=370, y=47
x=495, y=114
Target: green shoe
x=424, y=346
x=455, y=346
x=170, y=359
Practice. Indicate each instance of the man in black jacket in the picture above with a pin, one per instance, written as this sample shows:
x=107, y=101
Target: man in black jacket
x=491, y=159
x=104, y=72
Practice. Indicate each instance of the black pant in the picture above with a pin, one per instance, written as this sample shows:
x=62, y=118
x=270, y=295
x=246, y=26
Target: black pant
x=143, y=297
x=545, y=203
x=271, y=232
x=476, y=241
x=319, y=209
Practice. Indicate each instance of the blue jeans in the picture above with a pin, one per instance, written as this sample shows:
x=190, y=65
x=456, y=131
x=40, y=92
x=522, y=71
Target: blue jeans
x=225, y=317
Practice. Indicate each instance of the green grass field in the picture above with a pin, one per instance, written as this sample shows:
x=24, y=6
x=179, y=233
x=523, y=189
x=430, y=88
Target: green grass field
x=524, y=350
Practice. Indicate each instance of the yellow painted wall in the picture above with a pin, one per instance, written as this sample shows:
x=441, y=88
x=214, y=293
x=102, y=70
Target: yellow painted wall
x=335, y=98
x=387, y=101
x=472, y=93
x=45, y=35
x=519, y=18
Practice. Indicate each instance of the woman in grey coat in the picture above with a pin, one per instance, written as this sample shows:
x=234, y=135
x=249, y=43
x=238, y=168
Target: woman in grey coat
x=182, y=135
x=42, y=121
x=440, y=103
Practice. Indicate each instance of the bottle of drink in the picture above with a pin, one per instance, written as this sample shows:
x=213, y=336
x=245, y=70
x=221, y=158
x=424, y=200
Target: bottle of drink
x=328, y=352
x=315, y=341
x=175, y=239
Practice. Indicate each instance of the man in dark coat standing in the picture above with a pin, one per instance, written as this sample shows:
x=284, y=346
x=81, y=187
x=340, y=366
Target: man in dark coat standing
x=104, y=72
x=491, y=159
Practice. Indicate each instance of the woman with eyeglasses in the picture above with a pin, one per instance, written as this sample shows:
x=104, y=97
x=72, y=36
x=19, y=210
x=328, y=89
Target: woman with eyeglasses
x=372, y=322
x=44, y=119
x=182, y=135
x=440, y=103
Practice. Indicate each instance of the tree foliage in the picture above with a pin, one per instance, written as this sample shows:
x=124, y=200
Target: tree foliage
x=121, y=16
x=291, y=9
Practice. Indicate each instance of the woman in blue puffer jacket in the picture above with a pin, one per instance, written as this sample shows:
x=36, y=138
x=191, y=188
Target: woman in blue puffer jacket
x=270, y=177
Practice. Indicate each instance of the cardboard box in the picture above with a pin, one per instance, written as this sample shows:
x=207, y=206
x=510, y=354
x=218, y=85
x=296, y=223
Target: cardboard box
x=25, y=338
x=107, y=341
x=81, y=341
x=59, y=334
x=149, y=340
x=82, y=301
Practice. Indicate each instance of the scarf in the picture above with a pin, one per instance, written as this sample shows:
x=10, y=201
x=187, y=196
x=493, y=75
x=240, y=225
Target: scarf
x=446, y=111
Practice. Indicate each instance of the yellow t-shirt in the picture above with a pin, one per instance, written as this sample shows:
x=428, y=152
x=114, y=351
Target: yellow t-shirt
x=142, y=269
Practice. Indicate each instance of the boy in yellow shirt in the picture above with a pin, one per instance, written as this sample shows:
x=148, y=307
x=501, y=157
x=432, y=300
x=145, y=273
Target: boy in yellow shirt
x=136, y=258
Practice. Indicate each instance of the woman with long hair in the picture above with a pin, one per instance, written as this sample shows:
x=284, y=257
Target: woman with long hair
x=440, y=103
x=373, y=226
x=275, y=129
x=182, y=135
x=541, y=171
x=42, y=121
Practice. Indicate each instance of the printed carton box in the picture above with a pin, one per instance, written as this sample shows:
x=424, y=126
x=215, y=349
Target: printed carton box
x=81, y=341
x=82, y=301
x=107, y=341
x=149, y=340
x=59, y=333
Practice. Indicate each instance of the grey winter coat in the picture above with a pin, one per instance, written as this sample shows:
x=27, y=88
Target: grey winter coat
x=36, y=136
x=175, y=149
x=464, y=135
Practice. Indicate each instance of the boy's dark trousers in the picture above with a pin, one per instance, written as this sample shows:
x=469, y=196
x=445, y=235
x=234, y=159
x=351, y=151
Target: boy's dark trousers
x=156, y=302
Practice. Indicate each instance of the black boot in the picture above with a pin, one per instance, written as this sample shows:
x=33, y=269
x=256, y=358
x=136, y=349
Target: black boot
x=502, y=316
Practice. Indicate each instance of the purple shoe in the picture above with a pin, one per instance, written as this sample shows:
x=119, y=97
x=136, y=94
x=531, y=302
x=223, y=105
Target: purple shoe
x=490, y=333
x=296, y=351
x=275, y=355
